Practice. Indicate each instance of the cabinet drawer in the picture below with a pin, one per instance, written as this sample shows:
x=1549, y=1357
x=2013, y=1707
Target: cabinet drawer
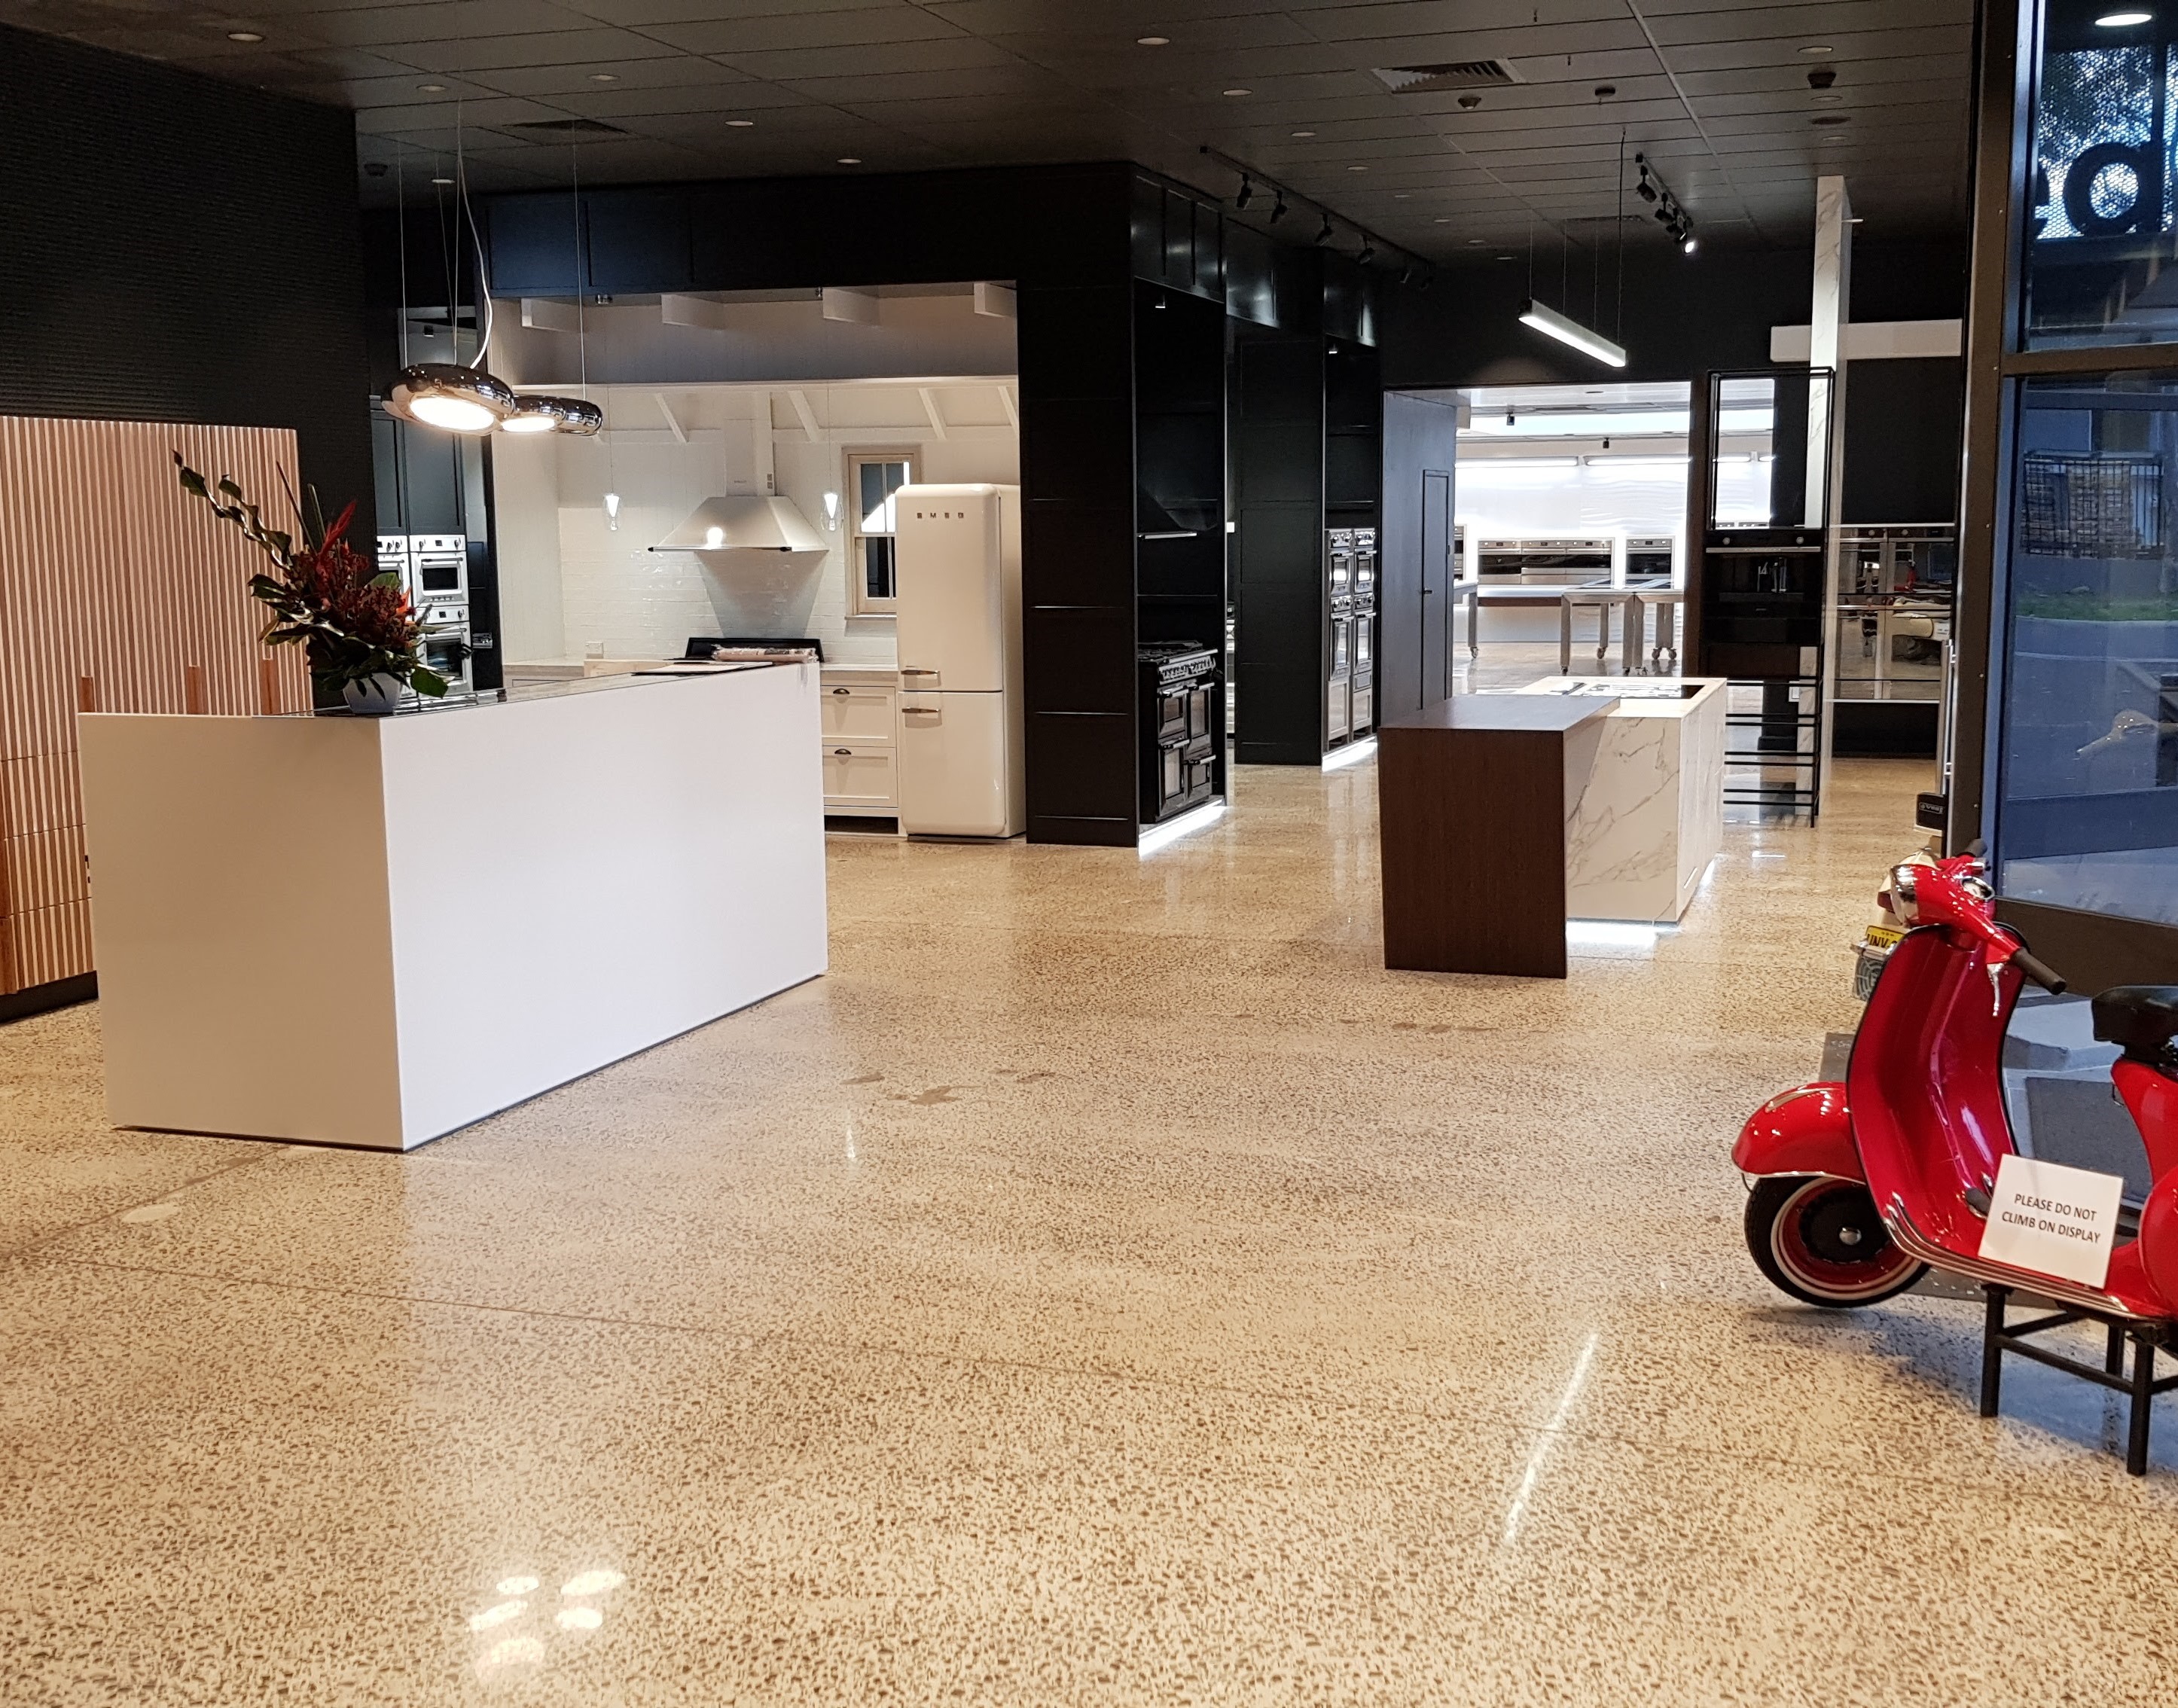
x=857, y=715
x=859, y=774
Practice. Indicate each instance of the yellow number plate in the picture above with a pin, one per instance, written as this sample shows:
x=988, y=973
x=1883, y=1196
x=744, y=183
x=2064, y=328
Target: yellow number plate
x=1883, y=936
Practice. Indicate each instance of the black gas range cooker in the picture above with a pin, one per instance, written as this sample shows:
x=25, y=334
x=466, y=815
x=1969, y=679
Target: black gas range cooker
x=1178, y=712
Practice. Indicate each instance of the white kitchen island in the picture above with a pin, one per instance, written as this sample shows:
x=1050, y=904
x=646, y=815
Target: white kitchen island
x=1644, y=795
x=374, y=930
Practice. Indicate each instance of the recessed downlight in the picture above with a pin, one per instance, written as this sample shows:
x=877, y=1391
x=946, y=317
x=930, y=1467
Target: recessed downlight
x=604, y=77
x=430, y=89
x=1153, y=42
x=1830, y=101
x=850, y=159
x=1815, y=50
x=740, y=123
x=1304, y=133
x=253, y=35
x=1357, y=168
x=442, y=181
x=2110, y=20
x=1236, y=91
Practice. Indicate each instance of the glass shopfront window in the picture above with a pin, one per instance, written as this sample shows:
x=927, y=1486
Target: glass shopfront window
x=2088, y=814
x=2102, y=244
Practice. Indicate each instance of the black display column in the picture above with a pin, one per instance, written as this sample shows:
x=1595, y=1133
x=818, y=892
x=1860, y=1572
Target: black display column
x=1078, y=559
x=1281, y=638
x=1179, y=463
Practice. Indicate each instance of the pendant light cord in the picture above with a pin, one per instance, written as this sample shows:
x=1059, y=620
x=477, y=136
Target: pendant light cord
x=582, y=326
x=401, y=229
x=1619, y=314
x=476, y=238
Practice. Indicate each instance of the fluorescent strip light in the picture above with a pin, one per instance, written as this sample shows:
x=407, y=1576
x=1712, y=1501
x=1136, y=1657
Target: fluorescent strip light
x=1351, y=754
x=1552, y=324
x=1162, y=836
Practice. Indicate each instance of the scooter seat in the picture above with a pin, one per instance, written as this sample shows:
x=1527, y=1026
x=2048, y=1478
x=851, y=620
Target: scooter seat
x=2141, y=1019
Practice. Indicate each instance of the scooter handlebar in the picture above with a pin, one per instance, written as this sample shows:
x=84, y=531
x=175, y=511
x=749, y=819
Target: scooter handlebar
x=2044, y=976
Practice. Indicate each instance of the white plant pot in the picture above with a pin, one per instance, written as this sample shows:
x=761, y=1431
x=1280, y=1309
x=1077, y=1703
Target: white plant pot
x=374, y=696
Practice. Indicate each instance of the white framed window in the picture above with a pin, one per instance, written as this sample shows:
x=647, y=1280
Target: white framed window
x=873, y=475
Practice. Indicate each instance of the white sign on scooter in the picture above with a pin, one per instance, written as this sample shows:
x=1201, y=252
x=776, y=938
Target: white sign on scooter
x=2053, y=1220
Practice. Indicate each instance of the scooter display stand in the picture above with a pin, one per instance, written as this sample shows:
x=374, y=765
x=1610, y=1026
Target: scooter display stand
x=2000, y=1337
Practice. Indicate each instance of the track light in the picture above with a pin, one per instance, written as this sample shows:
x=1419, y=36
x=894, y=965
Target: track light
x=1677, y=223
x=1247, y=193
x=1368, y=252
x=1323, y=235
x=1278, y=206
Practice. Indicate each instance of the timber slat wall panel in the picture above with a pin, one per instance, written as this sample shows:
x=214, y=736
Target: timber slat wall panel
x=119, y=593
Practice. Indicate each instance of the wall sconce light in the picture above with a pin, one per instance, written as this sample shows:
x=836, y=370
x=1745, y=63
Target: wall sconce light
x=831, y=512
x=612, y=510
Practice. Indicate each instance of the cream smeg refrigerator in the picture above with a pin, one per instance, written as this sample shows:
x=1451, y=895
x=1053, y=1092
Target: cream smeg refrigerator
x=957, y=564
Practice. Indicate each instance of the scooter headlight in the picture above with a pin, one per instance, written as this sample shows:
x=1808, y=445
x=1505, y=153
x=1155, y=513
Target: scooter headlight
x=1899, y=899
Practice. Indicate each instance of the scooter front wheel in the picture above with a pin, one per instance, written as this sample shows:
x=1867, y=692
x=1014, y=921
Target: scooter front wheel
x=1819, y=1238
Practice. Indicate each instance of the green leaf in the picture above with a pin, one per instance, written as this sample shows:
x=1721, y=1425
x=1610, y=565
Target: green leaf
x=228, y=490
x=429, y=683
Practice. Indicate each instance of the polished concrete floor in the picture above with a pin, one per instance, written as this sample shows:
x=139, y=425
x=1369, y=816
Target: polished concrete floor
x=1107, y=1285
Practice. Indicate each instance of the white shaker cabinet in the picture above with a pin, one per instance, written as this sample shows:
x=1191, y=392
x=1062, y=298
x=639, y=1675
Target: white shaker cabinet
x=859, y=712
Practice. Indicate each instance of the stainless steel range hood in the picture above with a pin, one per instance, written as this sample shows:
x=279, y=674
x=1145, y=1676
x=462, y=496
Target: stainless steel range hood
x=744, y=524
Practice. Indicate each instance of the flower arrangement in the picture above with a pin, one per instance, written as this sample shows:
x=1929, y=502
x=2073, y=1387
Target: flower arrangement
x=353, y=620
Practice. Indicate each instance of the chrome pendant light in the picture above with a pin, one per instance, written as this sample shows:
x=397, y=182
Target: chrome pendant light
x=537, y=411
x=534, y=412
x=455, y=398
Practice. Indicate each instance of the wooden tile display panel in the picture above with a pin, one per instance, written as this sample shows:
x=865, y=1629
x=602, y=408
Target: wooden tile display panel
x=119, y=593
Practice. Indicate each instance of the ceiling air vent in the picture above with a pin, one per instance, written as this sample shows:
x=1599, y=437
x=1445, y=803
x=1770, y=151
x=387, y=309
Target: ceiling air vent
x=1460, y=74
x=566, y=127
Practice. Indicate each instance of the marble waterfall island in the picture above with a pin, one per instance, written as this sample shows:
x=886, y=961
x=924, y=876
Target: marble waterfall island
x=1644, y=795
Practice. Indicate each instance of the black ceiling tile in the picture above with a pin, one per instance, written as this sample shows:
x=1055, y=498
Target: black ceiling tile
x=438, y=112
x=468, y=21
x=1122, y=20
x=634, y=80
x=948, y=52
x=760, y=102
x=503, y=52
x=986, y=80
x=863, y=26
x=1892, y=44
x=1817, y=20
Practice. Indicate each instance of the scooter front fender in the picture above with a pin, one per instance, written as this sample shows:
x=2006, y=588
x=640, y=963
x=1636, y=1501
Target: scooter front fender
x=1806, y=1130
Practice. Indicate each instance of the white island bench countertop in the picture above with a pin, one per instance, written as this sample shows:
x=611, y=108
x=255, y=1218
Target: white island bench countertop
x=374, y=930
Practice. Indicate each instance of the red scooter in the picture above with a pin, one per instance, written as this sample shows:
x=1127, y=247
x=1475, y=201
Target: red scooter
x=1862, y=1187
